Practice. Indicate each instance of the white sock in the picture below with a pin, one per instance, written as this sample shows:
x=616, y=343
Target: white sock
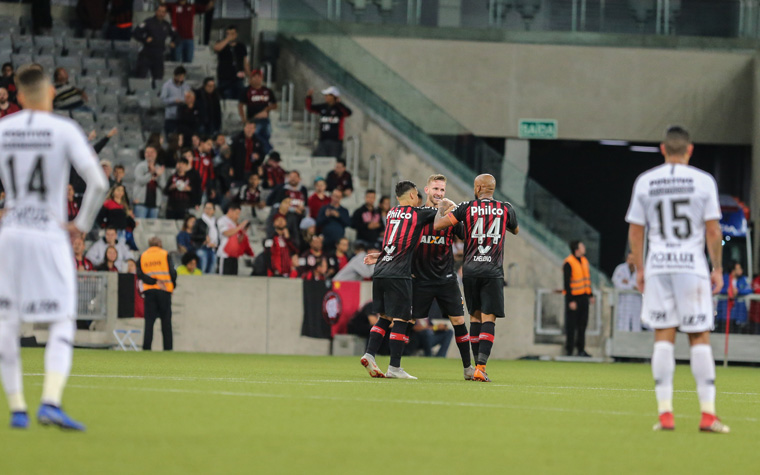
x=703, y=369
x=58, y=355
x=10, y=365
x=663, y=367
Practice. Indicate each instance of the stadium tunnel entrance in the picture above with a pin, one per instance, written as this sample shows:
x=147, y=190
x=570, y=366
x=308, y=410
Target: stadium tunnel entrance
x=595, y=179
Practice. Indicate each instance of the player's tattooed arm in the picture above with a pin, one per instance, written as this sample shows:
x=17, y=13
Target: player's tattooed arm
x=442, y=221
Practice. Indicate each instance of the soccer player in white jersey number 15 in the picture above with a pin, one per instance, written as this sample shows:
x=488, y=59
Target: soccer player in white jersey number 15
x=37, y=273
x=677, y=205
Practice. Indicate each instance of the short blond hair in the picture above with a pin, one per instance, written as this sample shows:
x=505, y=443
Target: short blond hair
x=436, y=177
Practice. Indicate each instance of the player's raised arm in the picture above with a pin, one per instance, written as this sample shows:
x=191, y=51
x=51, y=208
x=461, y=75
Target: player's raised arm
x=443, y=218
x=85, y=162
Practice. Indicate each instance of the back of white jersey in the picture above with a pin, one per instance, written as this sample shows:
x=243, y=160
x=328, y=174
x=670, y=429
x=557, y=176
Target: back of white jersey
x=36, y=152
x=675, y=202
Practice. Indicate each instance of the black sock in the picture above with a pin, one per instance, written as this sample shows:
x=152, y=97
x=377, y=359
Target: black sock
x=397, y=342
x=408, y=333
x=463, y=343
x=376, y=335
x=486, y=342
x=474, y=338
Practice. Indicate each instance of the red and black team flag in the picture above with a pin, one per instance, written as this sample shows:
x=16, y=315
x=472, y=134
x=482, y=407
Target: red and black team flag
x=328, y=307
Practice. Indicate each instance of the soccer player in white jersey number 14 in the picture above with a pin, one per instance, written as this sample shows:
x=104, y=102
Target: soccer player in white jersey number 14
x=677, y=205
x=37, y=274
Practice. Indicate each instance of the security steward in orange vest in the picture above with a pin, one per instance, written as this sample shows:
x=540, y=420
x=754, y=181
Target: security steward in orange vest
x=577, y=290
x=159, y=280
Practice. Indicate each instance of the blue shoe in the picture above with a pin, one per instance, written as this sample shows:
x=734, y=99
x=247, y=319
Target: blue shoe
x=51, y=415
x=19, y=420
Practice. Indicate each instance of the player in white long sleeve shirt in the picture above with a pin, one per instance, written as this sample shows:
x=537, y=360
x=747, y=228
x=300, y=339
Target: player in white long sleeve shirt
x=38, y=281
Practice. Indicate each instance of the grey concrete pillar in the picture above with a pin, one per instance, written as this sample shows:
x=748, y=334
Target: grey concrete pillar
x=450, y=13
x=755, y=167
x=515, y=170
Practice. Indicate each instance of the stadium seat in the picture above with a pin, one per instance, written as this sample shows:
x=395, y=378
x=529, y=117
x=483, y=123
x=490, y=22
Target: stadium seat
x=6, y=42
x=109, y=102
x=95, y=67
x=110, y=83
x=45, y=41
x=108, y=118
x=76, y=46
x=23, y=44
x=118, y=67
x=88, y=83
x=127, y=155
x=140, y=85
x=20, y=59
x=100, y=45
x=47, y=62
x=73, y=64
x=62, y=113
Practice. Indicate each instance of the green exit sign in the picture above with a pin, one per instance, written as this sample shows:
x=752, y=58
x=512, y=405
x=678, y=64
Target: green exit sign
x=537, y=129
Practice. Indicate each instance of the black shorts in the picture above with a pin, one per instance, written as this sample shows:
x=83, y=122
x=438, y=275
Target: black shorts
x=446, y=293
x=484, y=295
x=392, y=297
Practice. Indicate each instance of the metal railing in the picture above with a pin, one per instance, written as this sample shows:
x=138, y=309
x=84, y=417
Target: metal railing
x=353, y=147
x=288, y=94
x=92, y=296
x=266, y=69
x=550, y=313
x=375, y=172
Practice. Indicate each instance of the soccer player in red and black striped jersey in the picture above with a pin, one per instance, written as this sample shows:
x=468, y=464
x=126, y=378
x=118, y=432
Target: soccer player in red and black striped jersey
x=392, y=281
x=485, y=222
x=434, y=277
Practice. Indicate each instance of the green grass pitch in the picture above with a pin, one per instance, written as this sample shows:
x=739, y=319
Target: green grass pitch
x=182, y=413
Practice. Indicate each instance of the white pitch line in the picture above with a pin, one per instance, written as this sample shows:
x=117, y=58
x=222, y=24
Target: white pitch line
x=314, y=382
x=392, y=401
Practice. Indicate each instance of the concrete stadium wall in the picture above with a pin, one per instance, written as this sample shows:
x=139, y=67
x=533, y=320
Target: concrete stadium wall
x=261, y=315
x=594, y=92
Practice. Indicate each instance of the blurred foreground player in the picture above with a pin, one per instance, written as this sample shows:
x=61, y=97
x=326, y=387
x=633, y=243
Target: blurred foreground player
x=679, y=204
x=38, y=278
x=392, y=281
x=485, y=222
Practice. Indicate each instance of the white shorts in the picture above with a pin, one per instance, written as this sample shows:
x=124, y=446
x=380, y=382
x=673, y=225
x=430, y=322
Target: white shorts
x=678, y=300
x=37, y=277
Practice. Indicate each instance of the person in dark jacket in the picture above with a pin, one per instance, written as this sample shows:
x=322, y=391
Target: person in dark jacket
x=333, y=219
x=247, y=154
x=153, y=34
x=366, y=220
x=209, y=106
x=332, y=114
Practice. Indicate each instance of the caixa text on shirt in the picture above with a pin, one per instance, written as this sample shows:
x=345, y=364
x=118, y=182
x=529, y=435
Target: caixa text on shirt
x=41, y=306
x=672, y=258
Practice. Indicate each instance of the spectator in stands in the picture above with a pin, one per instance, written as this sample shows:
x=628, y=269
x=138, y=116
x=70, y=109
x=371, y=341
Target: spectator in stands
x=183, y=21
x=91, y=15
x=188, y=117
x=250, y=194
x=232, y=66
x=6, y=106
x=319, y=272
x=153, y=33
x=8, y=81
x=71, y=203
x=366, y=220
x=179, y=191
x=293, y=220
x=247, y=154
x=340, y=179
x=81, y=262
x=356, y=269
x=319, y=198
x=333, y=220
x=332, y=114
x=173, y=95
x=735, y=285
x=209, y=106
x=273, y=174
x=292, y=189
x=427, y=336
x=204, y=165
x=308, y=228
x=228, y=228
x=68, y=97
x=96, y=253
x=116, y=212
x=107, y=170
x=117, y=177
x=309, y=259
x=363, y=321
x=282, y=251
x=189, y=265
x=120, y=20
x=150, y=180
x=131, y=267
x=110, y=261
x=384, y=206
x=338, y=259
x=205, y=238
x=184, y=237
x=254, y=106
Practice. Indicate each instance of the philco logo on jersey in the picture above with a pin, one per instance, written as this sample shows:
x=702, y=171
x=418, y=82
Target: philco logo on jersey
x=485, y=211
x=398, y=214
x=433, y=240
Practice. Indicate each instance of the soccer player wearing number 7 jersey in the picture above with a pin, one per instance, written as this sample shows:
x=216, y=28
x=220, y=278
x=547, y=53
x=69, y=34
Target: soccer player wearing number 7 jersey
x=678, y=204
x=37, y=273
x=485, y=221
x=392, y=279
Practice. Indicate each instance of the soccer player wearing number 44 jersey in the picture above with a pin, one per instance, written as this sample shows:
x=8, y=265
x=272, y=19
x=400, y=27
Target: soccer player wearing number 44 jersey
x=392, y=282
x=679, y=206
x=485, y=221
x=38, y=278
